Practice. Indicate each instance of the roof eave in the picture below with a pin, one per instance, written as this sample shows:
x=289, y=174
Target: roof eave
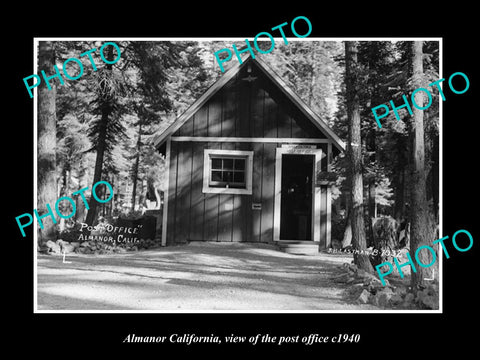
x=187, y=114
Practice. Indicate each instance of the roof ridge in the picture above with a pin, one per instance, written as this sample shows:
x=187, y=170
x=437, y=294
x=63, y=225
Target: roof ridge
x=275, y=78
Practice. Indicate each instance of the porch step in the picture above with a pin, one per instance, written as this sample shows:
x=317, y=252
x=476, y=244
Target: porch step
x=298, y=247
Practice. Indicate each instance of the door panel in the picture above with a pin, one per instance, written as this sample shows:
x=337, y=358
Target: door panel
x=296, y=197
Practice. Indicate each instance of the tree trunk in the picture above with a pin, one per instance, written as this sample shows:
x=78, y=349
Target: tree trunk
x=82, y=182
x=419, y=216
x=97, y=176
x=399, y=207
x=371, y=188
x=65, y=192
x=135, y=167
x=46, y=159
x=111, y=203
x=435, y=181
x=106, y=111
x=347, y=235
x=313, y=80
x=359, y=240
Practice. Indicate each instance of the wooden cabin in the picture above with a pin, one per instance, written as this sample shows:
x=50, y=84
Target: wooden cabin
x=243, y=163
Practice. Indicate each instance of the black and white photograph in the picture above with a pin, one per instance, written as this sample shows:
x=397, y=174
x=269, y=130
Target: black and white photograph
x=218, y=175
x=220, y=178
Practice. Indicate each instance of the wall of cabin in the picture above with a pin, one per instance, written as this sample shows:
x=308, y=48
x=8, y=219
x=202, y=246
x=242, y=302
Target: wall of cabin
x=240, y=109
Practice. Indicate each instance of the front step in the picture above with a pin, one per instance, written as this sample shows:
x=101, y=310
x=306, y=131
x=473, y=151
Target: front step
x=298, y=247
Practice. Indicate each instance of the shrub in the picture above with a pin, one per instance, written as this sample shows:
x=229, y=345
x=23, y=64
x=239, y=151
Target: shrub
x=71, y=233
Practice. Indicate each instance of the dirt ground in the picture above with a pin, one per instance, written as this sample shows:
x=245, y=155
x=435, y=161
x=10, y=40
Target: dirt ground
x=193, y=277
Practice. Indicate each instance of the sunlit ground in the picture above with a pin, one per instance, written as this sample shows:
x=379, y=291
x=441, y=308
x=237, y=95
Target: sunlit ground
x=194, y=277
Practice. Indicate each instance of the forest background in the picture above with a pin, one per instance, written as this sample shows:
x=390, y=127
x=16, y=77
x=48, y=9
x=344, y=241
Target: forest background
x=104, y=122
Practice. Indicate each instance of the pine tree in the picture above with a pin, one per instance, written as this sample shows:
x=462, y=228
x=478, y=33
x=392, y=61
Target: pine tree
x=71, y=145
x=355, y=156
x=46, y=161
x=420, y=233
x=169, y=77
x=106, y=129
x=311, y=70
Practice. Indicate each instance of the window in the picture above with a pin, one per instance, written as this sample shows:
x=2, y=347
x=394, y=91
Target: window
x=227, y=171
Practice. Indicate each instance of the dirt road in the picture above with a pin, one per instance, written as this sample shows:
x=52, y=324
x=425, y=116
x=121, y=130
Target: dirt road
x=194, y=277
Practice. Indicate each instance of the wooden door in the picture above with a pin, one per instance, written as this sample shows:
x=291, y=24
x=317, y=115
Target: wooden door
x=296, y=197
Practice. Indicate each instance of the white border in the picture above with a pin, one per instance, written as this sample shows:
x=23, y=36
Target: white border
x=35, y=179
x=440, y=181
x=341, y=39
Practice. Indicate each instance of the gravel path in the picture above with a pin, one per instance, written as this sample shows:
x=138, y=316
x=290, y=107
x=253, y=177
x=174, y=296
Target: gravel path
x=194, y=277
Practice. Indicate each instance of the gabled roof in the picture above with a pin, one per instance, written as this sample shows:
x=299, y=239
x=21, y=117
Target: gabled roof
x=314, y=118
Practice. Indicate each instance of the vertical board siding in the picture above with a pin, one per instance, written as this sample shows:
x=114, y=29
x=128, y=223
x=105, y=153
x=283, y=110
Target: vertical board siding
x=229, y=109
x=323, y=216
x=239, y=212
x=257, y=191
x=225, y=209
x=201, y=122
x=215, y=115
x=212, y=204
x=297, y=131
x=270, y=129
x=270, y=114
x=245, y=216
x=197, y=210
x=250, y=109
x=225, y=217
x=284, y=126
x=187, y=128
x=211, y=209
x=228, y=124
x=183, y=192
x=257, y=100
x=240, y=109
x=268, y=192
x=243, y=129
x=172, y=194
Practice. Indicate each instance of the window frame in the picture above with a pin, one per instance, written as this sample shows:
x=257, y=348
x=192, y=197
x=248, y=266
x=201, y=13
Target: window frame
x=222, y=171
x=207, y=171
